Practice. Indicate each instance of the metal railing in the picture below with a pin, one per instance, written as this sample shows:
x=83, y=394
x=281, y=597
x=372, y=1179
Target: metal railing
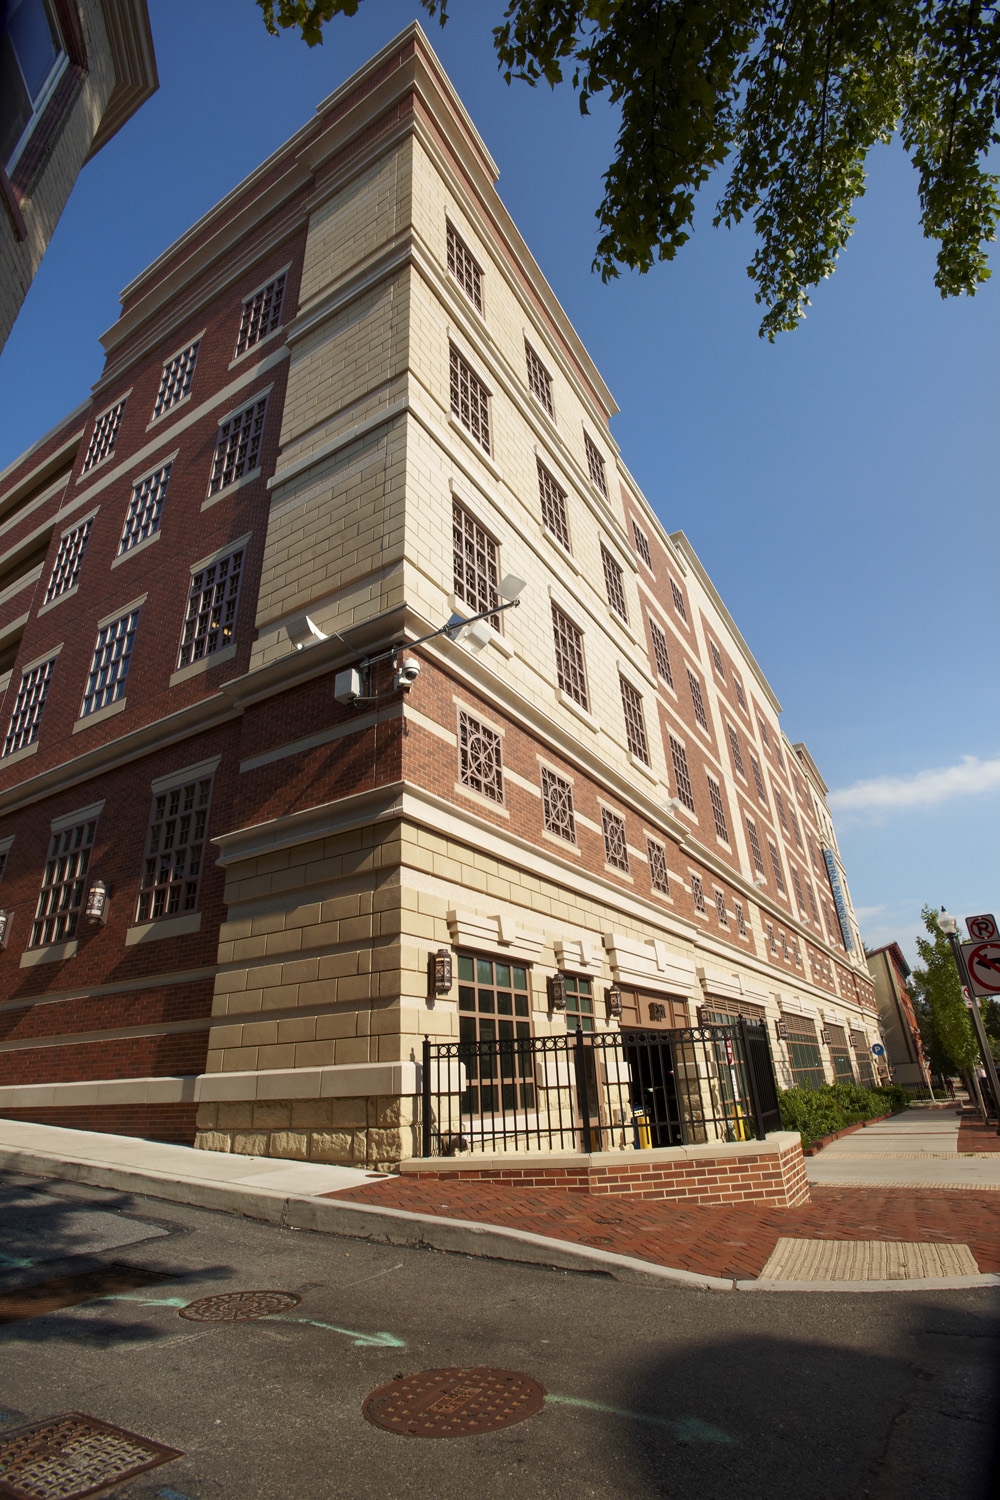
x=599, y=1091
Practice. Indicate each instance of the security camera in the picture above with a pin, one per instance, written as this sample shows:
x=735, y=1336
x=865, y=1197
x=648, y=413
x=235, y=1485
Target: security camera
x=407, y=673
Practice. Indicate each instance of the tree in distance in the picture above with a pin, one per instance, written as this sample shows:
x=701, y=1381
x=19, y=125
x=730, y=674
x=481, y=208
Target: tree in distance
x=945, y=1028
x=788, y=97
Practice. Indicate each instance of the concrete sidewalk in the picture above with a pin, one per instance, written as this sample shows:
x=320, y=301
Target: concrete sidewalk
x=917, y=1149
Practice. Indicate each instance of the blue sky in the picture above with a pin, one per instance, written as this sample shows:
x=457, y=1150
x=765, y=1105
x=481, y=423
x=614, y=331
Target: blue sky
x=840, y=486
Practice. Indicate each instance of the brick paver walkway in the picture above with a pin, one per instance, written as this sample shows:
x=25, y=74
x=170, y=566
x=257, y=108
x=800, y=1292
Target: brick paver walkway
x=973, y=1135
x=730, y=1240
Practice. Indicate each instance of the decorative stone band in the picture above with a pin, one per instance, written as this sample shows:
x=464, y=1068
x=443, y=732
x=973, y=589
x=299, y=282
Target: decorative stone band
x=651, y=966
x=348, y=1081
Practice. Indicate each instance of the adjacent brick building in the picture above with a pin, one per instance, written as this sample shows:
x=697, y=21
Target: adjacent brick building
x=903, y=1046
x=348, y=395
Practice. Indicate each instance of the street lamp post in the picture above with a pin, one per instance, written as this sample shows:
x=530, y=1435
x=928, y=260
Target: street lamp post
x=949, y=926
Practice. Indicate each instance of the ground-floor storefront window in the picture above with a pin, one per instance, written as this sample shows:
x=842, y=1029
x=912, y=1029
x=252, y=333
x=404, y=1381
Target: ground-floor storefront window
x=804, y=1056
x=840, y=1056
x=494, y=1005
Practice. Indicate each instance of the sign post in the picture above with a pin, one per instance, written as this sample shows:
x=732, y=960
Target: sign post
x=978, y=965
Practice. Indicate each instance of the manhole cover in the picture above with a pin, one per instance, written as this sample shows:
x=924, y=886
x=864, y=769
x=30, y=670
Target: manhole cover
x=234, y=1307
x=73, y=1455
x=454, y=1403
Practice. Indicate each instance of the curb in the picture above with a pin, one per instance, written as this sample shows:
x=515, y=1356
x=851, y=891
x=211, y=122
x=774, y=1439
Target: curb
x=397, y=1226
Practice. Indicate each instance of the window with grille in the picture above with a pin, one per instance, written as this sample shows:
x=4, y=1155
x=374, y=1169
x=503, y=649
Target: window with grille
x=812, y=853
x=734, y=745
x=660, y=653
x=718, y=808
x=613, y=582
x=830, y=925
x=739, y=692
x=539, y=379
x=110, y=664
x=795, y=827
x=741, y=921
x=812, y=903
x=174, y=851
x=475, y=562
x=570, y=672
x=237, y=448
x=553, y=500
x=659, y=877
x=213, y=601
x=557, y=805
x=698, y=895
x=635, y=727
x=678, y=756
x=779, y=803
x=797, y=886
x=579, y=1002
x=642, y=544
x=595, y=464
x=470, y=400
x=840, y=1055
x=261, y=314
x=64, y=885
x=29, y=705
x=175, y=382
x=615, y=846
x=678, y=599
x=720, y=907
x=465, y=269
x=144, y=509
x=772, y=942
x=764, y=737
x=804, y=1056
x=493, y=1005
x=779, y=878
x=778, y=756
x=104, y=436
x=697, y=701
x=717, y=659
x=480, y=764
x=758, y=779
x=69, y=560
x=758, y=858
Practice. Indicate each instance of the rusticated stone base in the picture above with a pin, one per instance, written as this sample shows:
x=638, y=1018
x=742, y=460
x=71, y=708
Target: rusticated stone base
x=371, y=1132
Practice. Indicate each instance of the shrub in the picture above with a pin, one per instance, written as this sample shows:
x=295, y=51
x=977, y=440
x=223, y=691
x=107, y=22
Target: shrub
x=818, y=1112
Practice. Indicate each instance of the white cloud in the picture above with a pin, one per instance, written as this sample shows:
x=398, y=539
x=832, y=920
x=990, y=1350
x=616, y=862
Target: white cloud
x=924, y=789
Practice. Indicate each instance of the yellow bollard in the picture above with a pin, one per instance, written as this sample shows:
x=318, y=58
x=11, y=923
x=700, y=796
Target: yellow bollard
x=641, y=1122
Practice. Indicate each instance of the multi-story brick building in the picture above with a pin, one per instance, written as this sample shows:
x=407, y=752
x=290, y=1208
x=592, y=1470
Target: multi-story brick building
x=348, y=394
x=901, y=1033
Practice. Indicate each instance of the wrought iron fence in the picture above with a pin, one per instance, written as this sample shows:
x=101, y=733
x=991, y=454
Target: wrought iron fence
x=599, y=1091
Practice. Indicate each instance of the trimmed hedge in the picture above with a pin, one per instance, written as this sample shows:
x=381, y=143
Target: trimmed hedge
x=823, y=1111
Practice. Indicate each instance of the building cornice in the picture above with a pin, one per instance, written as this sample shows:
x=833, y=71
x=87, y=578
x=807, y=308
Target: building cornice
x=136, y=80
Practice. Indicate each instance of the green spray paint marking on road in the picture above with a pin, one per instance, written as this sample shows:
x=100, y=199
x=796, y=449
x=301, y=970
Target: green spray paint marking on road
x=364, y=1340
x=13, y=1262
x=684, y=1429
x=144, y=1301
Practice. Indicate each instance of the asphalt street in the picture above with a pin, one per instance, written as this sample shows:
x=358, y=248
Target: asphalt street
x=651, y=1389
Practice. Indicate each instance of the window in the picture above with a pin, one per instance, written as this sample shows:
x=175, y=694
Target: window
x=579, y=1002
x=595, y=464
x=717, y=659
x=860, y=1044
x=797, y=886
x=758, y=779
x=720, y=907
x=493, y=1005
x=613, y=583
x=569, y=657
x=557, y=805
x=778, y=756
x=144, y=509
x=739, y=692
x=465, y=269
x=635, y=728
x=812, y=853
x=109, y=668
x=812, y=903
x=795, y=827
x=698, y=895
x=479, y=758
x=31, y=62
x=213, y=600
x=697, y=701
x=678, y=756
x=780, y=805
x=840, y=1055
x=553, y=506
x=237, y=449
x=734, y=745
x=718, y=809
x=475, y=562
x=470, y=401
x=539, y=379
x=804, y=1056
x=741, y=921
x=615, y=846
x=771, y=941
x=172, y=871
x=659, y=877
x=175, y=382
x=678, y=599
x=69, y=560
x=3, y=861
x=764, y=737
x=779, y=878
x=104, y=436
x=642, y=545
x=29, y=705
x=261, y=314
x=755, y=846
x=661, y=654
x=64, y=885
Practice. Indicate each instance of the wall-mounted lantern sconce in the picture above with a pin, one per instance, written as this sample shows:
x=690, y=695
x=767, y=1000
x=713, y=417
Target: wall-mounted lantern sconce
x=441, y=972
x=613, y=1000
x=557, y=992
x=97, y=903
x=781, y=1030
x=824, y=1036
x=6, y=918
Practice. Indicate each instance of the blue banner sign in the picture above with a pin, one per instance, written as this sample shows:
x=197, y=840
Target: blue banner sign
x=839, y=899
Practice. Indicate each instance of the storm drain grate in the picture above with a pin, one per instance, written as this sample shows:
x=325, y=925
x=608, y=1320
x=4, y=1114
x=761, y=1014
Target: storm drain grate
x=235, y=1307
x=454, y=1403
x=67, y=1457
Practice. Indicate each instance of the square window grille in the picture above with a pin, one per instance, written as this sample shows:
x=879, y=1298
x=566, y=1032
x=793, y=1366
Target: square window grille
x=758, y=779
x=29, y=705
x=779, y=803
x=553, y=500
x=175, y=382
x=779, y=878
x=613, y=582
x=635, y=727
x=642, y=544
x=697, y=701
x=539, y=379
x=69, y=560
x=659, y=877
x=465, y=269
x=480, y=765
x=470, y=400
x=213, y=601
x=579, y=1002
x=615, y=846
x=698, y=895
x=104, y=436
x=109, y=668
x=741, y=921
x=739, y=692
x=660, y=653
x=237, y=448
x=557, y=805
x=475, y=563
x=174, y=851
x=758, y=858
x=678, y=756
x=261, y=314
x=64, y=885
x=144, y=509
x=720, y=907
x=734, y=745
x=570, y=672
x=718, y=808
x=678, y=599
x=595, y=464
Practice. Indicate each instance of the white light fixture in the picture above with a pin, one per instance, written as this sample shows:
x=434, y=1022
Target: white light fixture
x=674, y=805
x=304, y=632
x=510, y=586
x=947, y=923
x=478, y=635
